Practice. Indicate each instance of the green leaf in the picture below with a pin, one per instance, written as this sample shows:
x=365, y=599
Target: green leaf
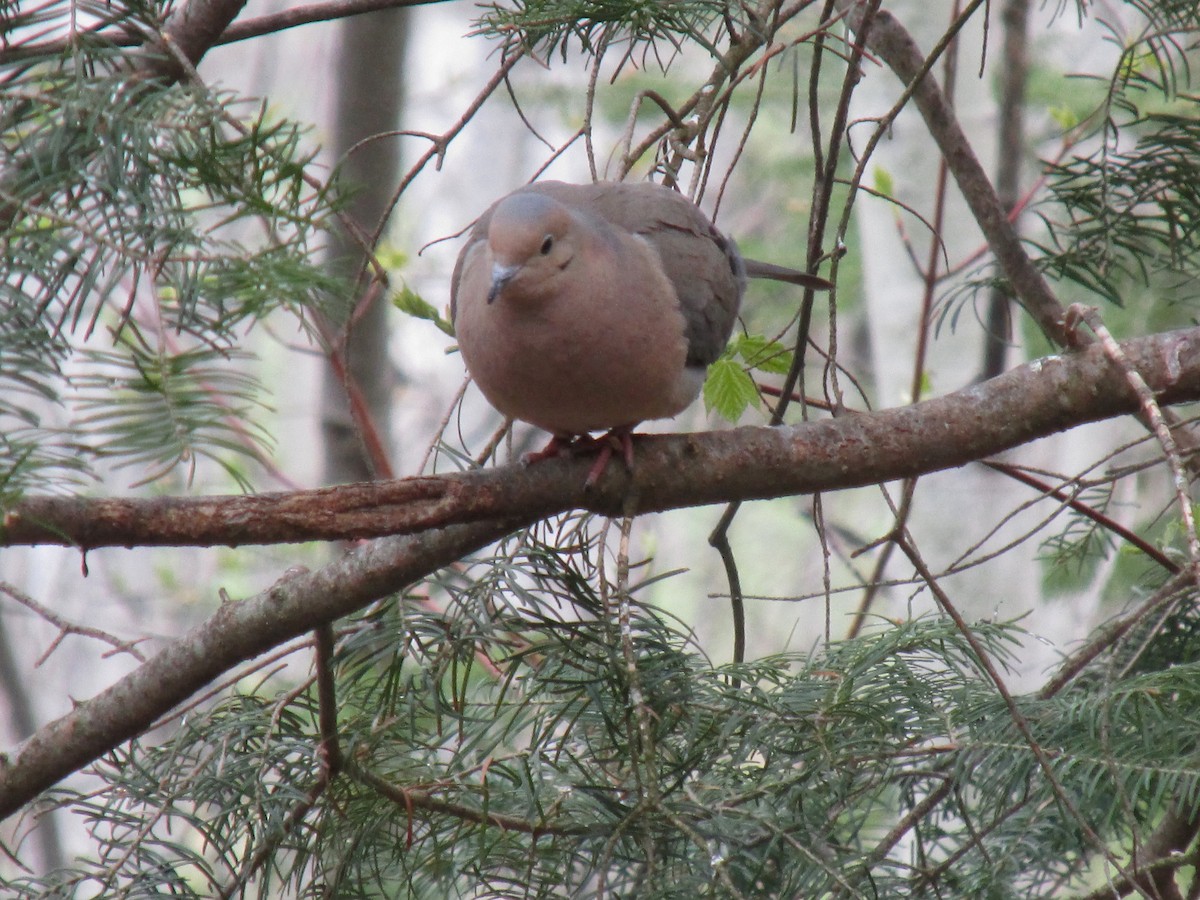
x=762, y=353
x=1064, y=117
x=883, y=181
x=926, y=384
x=729, y=389
x=411, y=303
x=391, y=257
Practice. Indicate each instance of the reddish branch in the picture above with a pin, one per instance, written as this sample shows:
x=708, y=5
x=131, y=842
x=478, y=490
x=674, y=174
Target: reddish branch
x=1068, y=498
x=1031, y=401
x=413, y=799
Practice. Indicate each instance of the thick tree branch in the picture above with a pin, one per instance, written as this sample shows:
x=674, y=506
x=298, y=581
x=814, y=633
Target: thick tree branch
x=246, y=29
x=1035, y=400
x=1032, y=401
x=311, y=13
x=236, y=632
x=1156, y=863
x=193, y=28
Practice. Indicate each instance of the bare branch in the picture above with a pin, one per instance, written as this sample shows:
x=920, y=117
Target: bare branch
x=310, y=13
x=1152, y=415
x=1029, y=402
x=1152, y=870
x=1032, y=401
x=64, y=628
x=271, y=23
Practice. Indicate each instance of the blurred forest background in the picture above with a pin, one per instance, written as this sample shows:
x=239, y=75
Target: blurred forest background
x=225, y=270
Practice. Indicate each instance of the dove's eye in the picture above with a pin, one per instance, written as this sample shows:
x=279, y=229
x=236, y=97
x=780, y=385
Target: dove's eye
x=547, y=245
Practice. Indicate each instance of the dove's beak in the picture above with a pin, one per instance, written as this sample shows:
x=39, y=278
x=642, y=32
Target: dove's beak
x=501, y=276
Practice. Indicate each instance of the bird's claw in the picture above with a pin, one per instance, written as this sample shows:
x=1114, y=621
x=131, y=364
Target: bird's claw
x=614, y=440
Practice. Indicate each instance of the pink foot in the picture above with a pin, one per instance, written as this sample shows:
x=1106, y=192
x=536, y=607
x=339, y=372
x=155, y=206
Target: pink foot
x=616, y=439
x=558, y=446
x=598, y=467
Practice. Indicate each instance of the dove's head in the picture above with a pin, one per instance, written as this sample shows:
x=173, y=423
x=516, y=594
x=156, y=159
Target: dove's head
x=533, y=241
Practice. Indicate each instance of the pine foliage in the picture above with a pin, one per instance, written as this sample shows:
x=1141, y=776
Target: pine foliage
x=508, y=748
x=146, y=227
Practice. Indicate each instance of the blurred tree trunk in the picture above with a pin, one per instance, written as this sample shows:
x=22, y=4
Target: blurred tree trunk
x=1013, y=77
x=23, y=721
x=370, y=73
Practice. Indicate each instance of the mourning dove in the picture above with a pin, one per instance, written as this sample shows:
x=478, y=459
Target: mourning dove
x=590, y=307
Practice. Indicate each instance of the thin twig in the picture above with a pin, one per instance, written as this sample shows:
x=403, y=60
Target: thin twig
x=440, y=430
x=1154, y=417
x=330, y=751
x=929, y=278
x=414, y=799
x=438, y=150
x=1166, y=597
x=719, y=540
x=892, y=42
x=984, y=661
x=1106, y=522
x=65, y=628
x=264, y=851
